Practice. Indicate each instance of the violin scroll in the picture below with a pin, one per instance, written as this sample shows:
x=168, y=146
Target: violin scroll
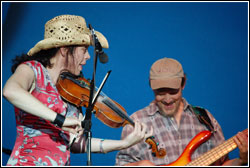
x=159, y=153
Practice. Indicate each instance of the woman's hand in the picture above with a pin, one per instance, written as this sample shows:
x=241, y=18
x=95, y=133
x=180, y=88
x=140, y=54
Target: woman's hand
x=72, y=125
x=139, y=133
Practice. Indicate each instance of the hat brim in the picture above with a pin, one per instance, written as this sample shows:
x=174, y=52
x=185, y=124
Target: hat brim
x=173, y=83
x=84, y=39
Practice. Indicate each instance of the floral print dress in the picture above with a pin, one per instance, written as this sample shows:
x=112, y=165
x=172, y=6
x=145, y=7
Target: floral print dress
x=38, y=141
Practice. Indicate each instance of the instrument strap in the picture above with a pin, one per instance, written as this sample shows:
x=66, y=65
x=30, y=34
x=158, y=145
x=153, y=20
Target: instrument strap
x=202, y=116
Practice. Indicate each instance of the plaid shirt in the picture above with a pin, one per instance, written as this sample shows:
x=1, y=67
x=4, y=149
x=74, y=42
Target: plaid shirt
x=172, y=138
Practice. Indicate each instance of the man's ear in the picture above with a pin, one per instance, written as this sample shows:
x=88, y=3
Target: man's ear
x=63, y=51
x=183, y=82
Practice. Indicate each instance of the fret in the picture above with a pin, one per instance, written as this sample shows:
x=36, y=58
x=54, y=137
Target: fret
x=213, y=155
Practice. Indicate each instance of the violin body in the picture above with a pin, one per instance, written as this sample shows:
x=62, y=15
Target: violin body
x=76, y=91
x=72, y=92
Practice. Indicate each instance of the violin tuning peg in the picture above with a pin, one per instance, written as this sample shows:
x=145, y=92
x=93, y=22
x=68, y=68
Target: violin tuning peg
x=153, y=154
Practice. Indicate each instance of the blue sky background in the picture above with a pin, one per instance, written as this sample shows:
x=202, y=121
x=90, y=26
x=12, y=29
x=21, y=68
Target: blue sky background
x=210, y=39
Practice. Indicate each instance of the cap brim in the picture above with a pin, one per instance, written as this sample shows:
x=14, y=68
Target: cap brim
x=174, y=83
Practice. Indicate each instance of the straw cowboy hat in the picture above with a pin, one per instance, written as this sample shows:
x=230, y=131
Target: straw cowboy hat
x=65, y=30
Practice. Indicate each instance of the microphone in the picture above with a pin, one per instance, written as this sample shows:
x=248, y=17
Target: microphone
x=102, y=56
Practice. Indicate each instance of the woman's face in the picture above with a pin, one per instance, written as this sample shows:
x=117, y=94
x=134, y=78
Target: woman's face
x=78, y=59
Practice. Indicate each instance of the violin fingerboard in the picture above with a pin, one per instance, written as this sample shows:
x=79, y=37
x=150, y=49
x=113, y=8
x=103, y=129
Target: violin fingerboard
x=117, y=110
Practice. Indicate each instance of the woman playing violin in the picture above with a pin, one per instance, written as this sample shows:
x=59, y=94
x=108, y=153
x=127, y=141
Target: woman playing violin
x=46, y=124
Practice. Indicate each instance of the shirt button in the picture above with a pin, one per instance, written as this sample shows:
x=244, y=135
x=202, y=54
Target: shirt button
x=192, y=126
x=168, y=128
x=162, y=145
x=167, y=160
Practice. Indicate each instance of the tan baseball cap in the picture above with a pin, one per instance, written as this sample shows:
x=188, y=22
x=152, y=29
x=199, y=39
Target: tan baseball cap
x=166, y=73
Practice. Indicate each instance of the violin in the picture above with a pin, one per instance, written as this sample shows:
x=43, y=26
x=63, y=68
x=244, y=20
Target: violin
x=76, y=90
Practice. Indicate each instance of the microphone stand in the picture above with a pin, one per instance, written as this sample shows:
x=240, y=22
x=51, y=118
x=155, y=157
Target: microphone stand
x=87, y=121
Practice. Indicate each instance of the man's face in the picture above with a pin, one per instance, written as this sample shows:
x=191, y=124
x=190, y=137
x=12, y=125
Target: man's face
x=168, y=100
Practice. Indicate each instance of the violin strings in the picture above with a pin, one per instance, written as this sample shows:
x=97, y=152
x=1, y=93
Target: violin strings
x=111, y=105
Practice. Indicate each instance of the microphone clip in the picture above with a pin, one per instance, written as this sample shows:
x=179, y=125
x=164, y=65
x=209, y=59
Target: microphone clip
x=96, y=43
x=98, y=47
